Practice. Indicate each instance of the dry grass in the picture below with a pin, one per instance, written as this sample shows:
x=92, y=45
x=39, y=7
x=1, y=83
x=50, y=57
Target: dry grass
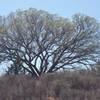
x=59, y=86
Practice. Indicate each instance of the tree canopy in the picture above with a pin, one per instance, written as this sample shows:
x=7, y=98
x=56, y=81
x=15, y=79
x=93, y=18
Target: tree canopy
x=37, y=42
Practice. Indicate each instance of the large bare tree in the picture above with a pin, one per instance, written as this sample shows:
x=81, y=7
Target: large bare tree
x=39, y=42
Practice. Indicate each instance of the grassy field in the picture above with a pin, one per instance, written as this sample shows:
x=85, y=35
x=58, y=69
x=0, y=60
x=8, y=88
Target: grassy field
x=58, y=86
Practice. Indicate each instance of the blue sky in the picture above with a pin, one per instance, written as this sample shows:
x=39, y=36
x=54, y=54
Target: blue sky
x=65, y=8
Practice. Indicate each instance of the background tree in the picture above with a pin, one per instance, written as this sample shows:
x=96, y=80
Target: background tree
x=43, y=43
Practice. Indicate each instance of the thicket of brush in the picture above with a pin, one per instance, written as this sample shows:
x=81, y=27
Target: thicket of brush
x=83, y=85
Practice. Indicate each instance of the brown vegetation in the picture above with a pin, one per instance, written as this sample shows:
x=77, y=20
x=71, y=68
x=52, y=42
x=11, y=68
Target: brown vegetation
x=59, y=86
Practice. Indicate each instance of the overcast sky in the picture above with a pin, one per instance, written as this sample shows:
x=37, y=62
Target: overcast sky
x=65, y=8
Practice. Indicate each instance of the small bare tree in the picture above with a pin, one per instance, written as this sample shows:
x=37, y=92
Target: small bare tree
x=40, y=42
